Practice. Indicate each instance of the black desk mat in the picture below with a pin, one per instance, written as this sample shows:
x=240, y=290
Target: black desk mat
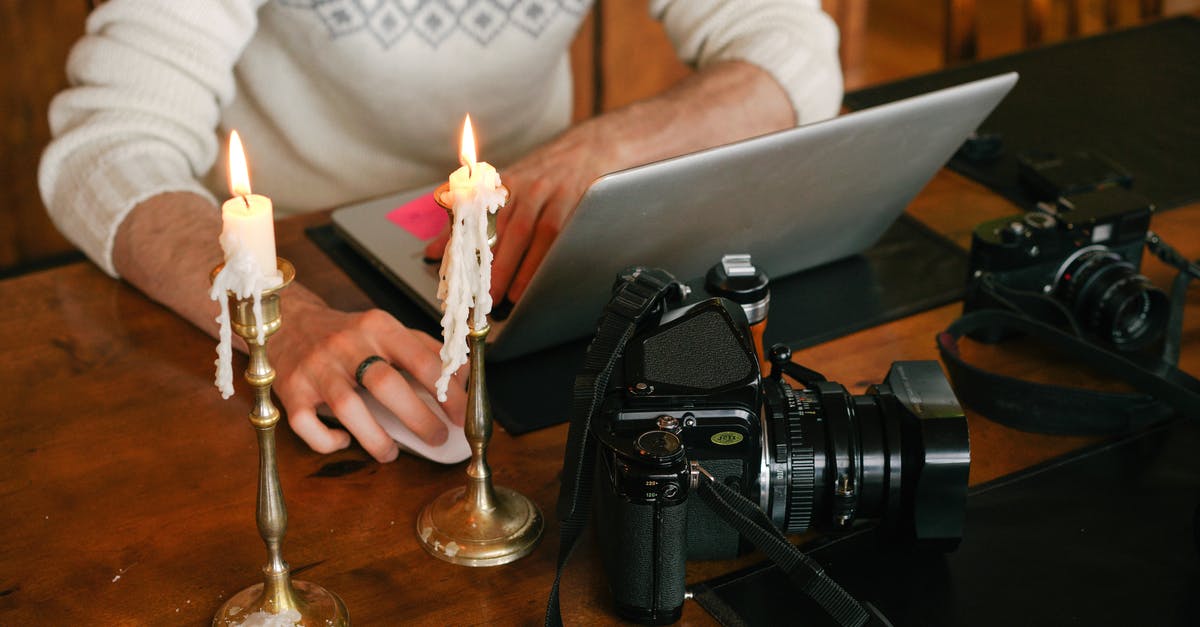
x=1133, y=95
x=1104, y=537
x=909, y=270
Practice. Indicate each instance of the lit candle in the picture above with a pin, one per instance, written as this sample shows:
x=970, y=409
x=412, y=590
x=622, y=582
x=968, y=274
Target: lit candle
x=466, y=274
x=248, y=219
x=248, y=239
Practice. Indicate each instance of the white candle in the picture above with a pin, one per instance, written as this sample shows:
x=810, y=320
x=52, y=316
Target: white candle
x=248, y=240
x=466, y=274
x=248, y=219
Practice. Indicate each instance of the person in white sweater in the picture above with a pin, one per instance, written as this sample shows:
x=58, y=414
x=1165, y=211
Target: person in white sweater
x=343, y=100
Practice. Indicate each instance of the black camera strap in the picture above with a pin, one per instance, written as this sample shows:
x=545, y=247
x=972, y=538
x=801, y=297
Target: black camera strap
x=1162, y=389
x=750, y=521
x=633, y=300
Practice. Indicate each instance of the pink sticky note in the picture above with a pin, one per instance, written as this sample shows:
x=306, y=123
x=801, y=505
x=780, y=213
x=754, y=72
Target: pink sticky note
x=422, y=217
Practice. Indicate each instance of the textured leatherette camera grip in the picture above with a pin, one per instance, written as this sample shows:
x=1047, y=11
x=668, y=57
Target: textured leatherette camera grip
x=643, y=550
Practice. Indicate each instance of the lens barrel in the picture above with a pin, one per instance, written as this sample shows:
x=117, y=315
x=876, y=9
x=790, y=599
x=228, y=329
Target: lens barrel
x=834, y=458
x=1114, y=302
x=831, y=458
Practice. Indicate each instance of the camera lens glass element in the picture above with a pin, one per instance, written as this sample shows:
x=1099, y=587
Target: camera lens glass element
x=1111, y=299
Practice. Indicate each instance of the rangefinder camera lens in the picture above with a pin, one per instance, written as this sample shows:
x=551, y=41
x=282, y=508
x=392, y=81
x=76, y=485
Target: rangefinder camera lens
x=1108, y=296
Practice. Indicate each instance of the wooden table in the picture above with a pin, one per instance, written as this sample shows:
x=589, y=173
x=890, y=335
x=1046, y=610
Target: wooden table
x=127, y=488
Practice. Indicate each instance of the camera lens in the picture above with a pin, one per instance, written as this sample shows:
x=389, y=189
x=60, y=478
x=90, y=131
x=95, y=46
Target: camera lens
x=832, y=458
x=1111, y=299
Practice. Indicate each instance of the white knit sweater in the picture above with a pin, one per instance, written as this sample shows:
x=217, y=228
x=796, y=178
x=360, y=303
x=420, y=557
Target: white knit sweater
x=341, y=100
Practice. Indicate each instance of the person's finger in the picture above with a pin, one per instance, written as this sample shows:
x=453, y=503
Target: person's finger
x=459, y=377
x=456, y=411
x=505, y=211
x=435, y=346
x=300, y=400
x=549, y=225
x=418, y=354
x=322, y=439
x=390, y=388
x=432, y=344
x=517, y=235
x=425, y=366
x=436, y=247
x=350, y=410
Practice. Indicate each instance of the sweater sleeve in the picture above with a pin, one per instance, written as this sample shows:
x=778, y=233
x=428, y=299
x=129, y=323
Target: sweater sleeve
x=148, y=81
x=792, y=40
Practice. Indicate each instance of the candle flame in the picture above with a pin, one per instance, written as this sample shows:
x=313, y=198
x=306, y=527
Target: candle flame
x=239, y=174
x=466, y=154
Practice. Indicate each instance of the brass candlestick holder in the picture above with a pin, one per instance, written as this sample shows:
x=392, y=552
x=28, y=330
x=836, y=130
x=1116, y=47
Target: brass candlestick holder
x=479, y=524
x=302, y=602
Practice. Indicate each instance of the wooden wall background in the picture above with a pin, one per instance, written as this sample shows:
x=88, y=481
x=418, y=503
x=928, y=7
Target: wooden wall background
x=883, y=40
x=35, y=36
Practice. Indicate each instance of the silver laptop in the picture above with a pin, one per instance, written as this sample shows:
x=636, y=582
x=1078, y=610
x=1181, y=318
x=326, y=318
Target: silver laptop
x=793, y=200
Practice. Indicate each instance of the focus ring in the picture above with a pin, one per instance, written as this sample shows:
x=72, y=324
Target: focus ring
x=803, y=471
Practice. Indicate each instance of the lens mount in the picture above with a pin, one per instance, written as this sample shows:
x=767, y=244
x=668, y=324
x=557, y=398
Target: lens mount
x=802, y=473
x=791, y=426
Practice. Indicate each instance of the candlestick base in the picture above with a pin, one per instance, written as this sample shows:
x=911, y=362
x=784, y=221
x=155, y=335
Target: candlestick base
x=312, y=605
x=454, y=529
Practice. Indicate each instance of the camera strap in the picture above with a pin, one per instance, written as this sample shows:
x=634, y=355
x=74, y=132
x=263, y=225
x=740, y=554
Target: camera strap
x=752, y=523
x=1162, y=389
x=639, y=296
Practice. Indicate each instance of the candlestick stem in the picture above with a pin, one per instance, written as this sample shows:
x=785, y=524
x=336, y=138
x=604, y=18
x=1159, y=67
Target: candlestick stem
x=307, y=603
x=478, y=426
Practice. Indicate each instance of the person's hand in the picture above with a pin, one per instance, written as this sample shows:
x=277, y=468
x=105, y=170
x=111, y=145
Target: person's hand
x=724, y=102
x=544, y=188
x=316, y=355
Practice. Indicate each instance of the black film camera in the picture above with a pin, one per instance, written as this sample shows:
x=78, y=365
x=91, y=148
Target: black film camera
x=687, y=392
x=1075, y=260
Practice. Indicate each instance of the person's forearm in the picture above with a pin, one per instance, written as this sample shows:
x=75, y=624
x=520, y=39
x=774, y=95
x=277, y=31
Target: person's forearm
x=166, y=247
x=720, y=104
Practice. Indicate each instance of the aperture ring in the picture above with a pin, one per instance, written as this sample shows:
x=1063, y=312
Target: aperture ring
x=802, y=465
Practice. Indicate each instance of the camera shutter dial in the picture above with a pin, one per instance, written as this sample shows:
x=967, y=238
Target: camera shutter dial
x=659, y=444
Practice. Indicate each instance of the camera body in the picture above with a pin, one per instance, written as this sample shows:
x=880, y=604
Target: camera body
x=1081, y=254
x=688, y=391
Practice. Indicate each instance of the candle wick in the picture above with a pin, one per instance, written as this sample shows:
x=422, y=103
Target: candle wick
x=246, y=200
x=470, y=170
